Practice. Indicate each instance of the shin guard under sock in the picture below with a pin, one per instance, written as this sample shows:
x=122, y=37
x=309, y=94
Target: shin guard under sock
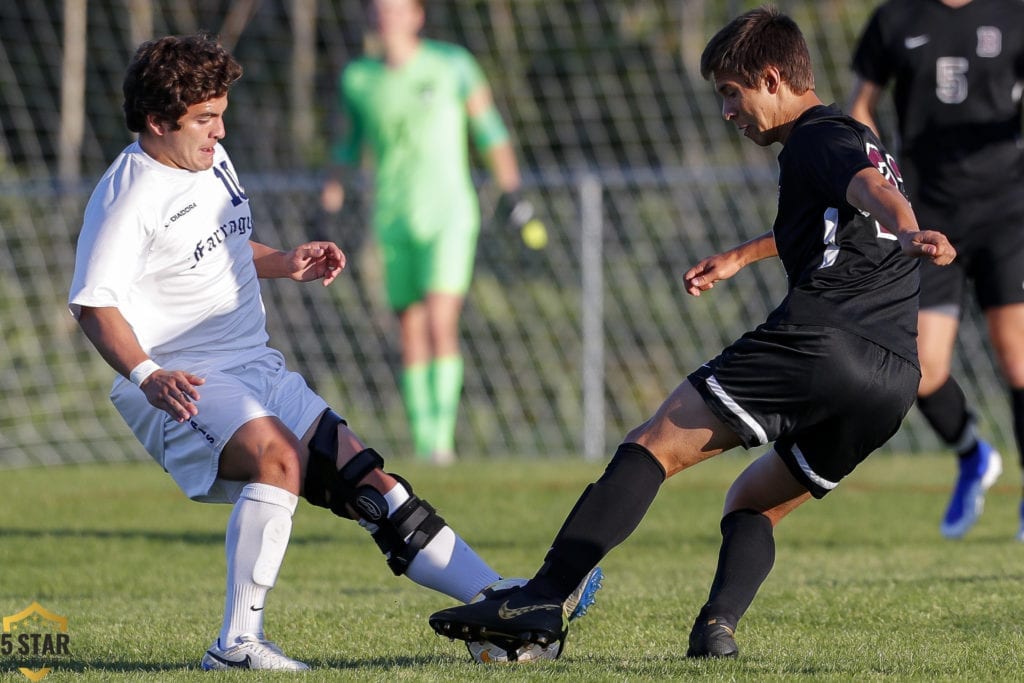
x=946, y=411
x=604, y=516
x=744, y=561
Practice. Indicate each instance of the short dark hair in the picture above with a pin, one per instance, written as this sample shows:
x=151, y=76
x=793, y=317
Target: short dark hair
x=168, y=75
x=753, y=41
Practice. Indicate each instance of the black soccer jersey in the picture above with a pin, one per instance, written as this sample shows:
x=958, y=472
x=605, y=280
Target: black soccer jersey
x=958, y=74
x=844, y=269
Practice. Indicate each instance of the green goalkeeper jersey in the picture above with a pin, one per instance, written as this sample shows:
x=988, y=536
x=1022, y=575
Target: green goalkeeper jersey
x=413, y=120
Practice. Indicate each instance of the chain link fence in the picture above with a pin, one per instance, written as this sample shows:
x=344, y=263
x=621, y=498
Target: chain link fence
x=623, y=150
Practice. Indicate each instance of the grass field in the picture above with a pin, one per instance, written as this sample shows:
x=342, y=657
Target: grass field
x=863, y=588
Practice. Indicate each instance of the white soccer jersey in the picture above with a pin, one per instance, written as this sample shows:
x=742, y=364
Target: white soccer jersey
x=170, y=249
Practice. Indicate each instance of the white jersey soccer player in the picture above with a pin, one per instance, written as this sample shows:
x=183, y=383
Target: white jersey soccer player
x=166, y=286
x=169, y=248
x=153, y=236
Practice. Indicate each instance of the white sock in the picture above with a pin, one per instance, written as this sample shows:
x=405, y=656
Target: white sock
x=256, y=540
x=446, y=564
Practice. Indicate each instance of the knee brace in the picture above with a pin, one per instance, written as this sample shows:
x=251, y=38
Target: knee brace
x=401, y=535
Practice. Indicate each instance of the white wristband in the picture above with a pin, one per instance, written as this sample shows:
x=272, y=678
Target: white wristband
x=143, y=370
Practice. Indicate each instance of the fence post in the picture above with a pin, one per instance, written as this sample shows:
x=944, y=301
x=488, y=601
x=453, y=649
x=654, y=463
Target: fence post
x=592, y=315
x=72, y=91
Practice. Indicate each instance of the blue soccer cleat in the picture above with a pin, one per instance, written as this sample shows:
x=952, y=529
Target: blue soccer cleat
x=978, y=472
x=585, y=595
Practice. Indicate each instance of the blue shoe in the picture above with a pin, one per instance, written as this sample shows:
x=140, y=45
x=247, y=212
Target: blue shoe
x=1020, y=531
x=585, y=595
x=978, y=472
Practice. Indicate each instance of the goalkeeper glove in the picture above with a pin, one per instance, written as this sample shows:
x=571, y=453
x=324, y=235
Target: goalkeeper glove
x=517, y=212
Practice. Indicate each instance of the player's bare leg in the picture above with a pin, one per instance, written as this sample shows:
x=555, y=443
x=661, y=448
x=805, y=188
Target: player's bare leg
x=944, y=406
x=1006, y=331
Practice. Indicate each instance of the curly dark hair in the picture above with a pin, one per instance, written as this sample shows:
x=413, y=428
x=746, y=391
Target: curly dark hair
x=756, y=40
x=168, y=75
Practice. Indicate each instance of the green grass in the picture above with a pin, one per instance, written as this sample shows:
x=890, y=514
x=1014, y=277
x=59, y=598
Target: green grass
x=863, y=588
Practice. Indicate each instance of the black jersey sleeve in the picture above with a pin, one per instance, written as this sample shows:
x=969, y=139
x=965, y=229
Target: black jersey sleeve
x=871, y=60
x=828, y=152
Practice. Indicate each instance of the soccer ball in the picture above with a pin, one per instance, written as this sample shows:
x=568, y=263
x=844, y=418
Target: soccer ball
x=492, y=651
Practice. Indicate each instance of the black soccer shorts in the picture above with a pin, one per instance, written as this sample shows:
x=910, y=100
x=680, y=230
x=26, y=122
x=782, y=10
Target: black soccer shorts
x=989, y=240
x=826, y=397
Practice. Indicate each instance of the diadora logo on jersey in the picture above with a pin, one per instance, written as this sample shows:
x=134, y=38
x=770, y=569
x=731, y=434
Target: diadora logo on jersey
x=990, y=41
x=914, y=42
x=180, y=214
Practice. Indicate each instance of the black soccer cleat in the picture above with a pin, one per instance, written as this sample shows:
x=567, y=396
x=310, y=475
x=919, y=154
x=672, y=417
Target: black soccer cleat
x=513, y=615
x=712, y=637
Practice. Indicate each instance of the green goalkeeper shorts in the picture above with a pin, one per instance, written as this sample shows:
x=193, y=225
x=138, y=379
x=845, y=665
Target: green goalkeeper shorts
x=415, y=267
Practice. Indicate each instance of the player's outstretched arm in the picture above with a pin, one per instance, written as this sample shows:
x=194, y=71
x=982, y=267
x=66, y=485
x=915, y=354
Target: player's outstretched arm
x=710, y=270
x=172, y=391
x=870, y=191
x=306, y=262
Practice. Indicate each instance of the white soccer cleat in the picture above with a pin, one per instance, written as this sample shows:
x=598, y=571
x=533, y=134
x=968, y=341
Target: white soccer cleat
x=249, y=653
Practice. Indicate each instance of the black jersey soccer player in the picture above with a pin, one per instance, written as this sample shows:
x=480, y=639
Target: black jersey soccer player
x=958, y=72
x=828, y=377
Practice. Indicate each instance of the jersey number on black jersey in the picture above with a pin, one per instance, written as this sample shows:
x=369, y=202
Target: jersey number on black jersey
x=886, y=165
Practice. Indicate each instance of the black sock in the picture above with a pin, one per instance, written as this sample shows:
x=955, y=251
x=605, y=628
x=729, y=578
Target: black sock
x=604, y=516
x=946, y=411
x=744, y=561
x=1018, y=421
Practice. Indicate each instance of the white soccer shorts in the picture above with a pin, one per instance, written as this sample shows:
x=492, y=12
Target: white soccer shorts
x=190, y=451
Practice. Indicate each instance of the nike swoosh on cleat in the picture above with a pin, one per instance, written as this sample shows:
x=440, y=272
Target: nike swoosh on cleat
x=714, y=621
x=914, y=42
x=241, y=664
x=506, y=612
x=255, y=609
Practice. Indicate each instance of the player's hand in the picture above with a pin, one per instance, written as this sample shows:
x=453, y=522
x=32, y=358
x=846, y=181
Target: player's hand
x=316, y=261
x=515, y=212
x=705, y=274
x=174, y=392
x=929, y=244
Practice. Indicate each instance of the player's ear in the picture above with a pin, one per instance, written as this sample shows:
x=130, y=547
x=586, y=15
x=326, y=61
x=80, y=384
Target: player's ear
x=772, y=79
x=156, y=126
x=153, y=125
